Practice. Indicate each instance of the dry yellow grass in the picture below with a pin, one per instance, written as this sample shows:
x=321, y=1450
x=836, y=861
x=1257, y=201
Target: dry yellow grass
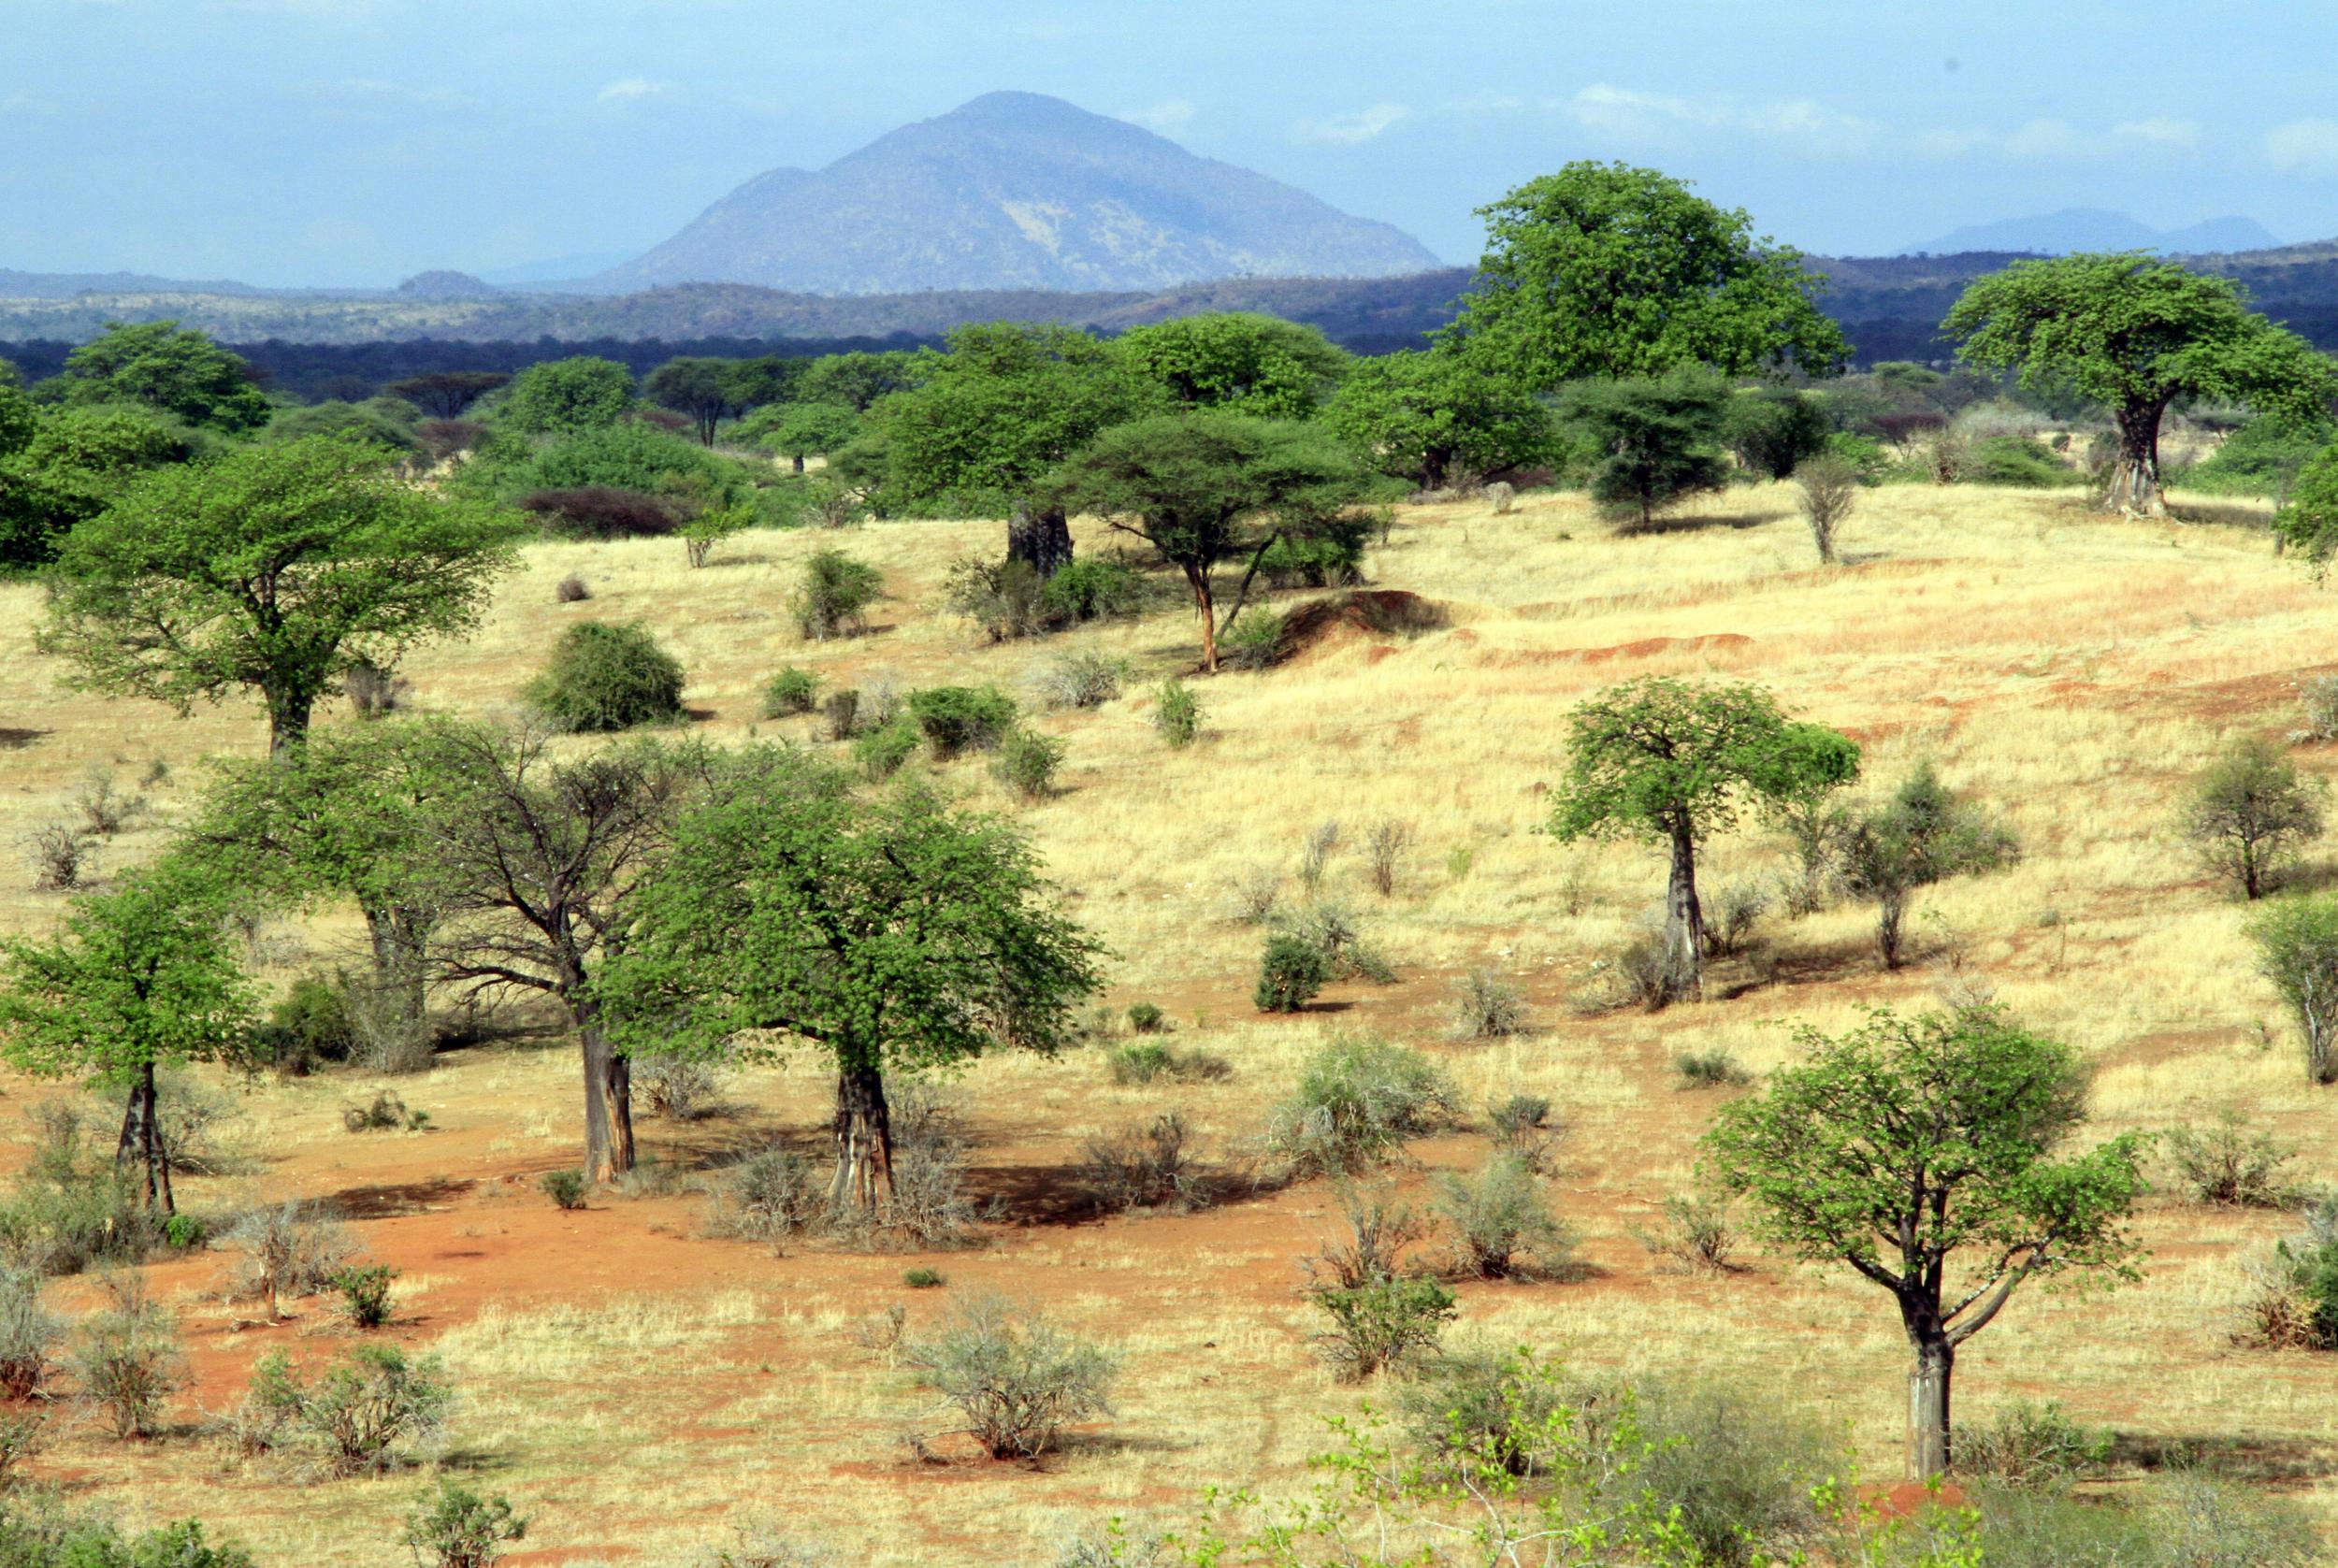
x=2070, y=669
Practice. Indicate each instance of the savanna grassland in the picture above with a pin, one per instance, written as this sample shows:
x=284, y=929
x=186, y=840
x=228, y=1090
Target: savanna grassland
x=637, y=1385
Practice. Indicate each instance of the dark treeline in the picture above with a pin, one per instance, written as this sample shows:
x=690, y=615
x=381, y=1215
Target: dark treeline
x=315, y=372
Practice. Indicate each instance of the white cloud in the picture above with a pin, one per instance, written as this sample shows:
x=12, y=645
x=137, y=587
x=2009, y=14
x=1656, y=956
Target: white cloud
x=2305, y=146
x=2058, y=141
x=1171, y=117
x=628, y=88
x=2167, y=132
x=1662, y=117
x=1349, y=129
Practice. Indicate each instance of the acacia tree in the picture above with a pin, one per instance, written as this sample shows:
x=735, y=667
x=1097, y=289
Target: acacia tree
x=539, y=856
x=1607, y=271
x=1435, y=417
x=179, y=372
x=141, y=976
x=1204, y=488
x=1926, y=1155
x=446, y=393
x=1240, y=359
x=704, y=391
x=565, y=397
x=1656, y=439
x=2297, y=950
x=1923, y=835
x=891, y=935
x=276, y=567
x=2251, y=813
x=1675, y=761
x=348, y=814
x=2134, y=333
x=800, y=430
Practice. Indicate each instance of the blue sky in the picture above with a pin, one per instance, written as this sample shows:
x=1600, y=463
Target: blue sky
x=356, y=141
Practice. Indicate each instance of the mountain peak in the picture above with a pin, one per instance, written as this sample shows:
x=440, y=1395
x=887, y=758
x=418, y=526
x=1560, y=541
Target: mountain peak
x=1017, y=190
x=2094, y=228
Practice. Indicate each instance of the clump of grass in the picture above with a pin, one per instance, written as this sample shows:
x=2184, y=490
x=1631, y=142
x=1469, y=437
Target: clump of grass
x=1142, y=1061
x=1488, y=1007
x=1710, y=1070
x=566, y=1188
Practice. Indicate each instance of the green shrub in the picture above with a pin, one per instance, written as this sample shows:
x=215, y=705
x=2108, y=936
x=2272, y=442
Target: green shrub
x=1253, y=642
x=365, y=1293
x=42, y=1532
x=1740, y=1469
x=1177, y=711
x=386, y=1111
x=2020, y=461
x=834, y=598
x=1015, y=1376
x=1145, y=1018
x=1290, y=971
x=74, y=1205
x=1356, y=1103
x=127, y=1359
x=1478, y=1405
x=1027, y=763
x=605, y=677
x=1497, y=1219
x=922, y=1279
x=958, y=719
x=1488, y=1007
x=566, y=1188
x=2225, y=1163
x=790, y=692
x=1711, y=1069
x=1328, y=555
x=309, y=1025
x=1697, y=1231
x=456, y=1528
x=1092, y=588
x=361, y=1414
x=2026, y=1445
x=1380, y=1323
x=23, y=1435
x=1141, y=1061
x=770, y=1197
x=883, y=752
x=28, y=1332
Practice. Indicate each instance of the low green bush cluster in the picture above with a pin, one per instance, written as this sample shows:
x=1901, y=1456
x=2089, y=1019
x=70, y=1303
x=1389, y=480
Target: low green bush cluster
x=604, y=677
x=1357, y=1101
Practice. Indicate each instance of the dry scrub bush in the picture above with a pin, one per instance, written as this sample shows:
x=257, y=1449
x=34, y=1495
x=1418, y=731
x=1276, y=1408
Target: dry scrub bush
x=1384, y=848
x=1487, y=1007
x=1015, y=1377
x=762, y=1545
x=2026, y=1444
x=127, y=1359
x=1332, y=931
x=1252, y=894
x=62, y=857
x=1497, y=1219
x=285, y=1249
x=364, y=1414
x=770, y=1197
x=455, y=1527
x=682, y=1088
x=2227, y=1164
x=375, y=691
x=1383, y=1312
x=1357, y=1101
x=2319, y=697
x=29, y=1331
x=2292, y=1303
x=1147, y=1166
x=104, y=809
x=1077, y=679
x=572, y=589
x=1827, y=488
x=1698, y=1232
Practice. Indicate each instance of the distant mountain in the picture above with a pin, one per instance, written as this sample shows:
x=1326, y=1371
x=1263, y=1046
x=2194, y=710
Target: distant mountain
x=2088, y=228
x=553, y=269
x=443, y=285
x=64, y=285
x=1018, y=191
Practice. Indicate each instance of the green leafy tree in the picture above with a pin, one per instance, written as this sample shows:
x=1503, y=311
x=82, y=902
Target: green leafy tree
x=1204, y=488
x=2134, y=333
x=1607, y=271
x=564, y=396
x=76, y=463
x=1239, y=360
x=1771, y=430
x=181, y=373
x=1435, y=418
x=2251, y=813
x=892, y=936
x=2297, y=950
x=1655, y=441
x=1923, y=835
x=1928, y=1156
x=859, y=379
x=800, y=430
x=2308, y=524
x=141, y=976
x=446, y=393
x=385, y=422
x=1007, y=403
x=276, y=567
x=705, y=391
x=1675, y=761
x=18, y=417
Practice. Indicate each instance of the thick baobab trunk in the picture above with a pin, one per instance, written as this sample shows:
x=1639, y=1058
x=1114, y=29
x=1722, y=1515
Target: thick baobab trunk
x=142, y=1142
x=1685, y=921
x=400, y=1012
x=2135, y=478
x=1043, y=543
x=608, y=1106
x=287, y=720
x=799, y=462
x=1928, y=1408
x=864, y=1141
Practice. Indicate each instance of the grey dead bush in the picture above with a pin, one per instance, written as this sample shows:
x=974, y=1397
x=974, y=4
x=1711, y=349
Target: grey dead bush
x=683, y=1088
x=285, y=1249
x=1015, y=1376
x=1149, y=1165
x=1498, y=1219
x=1488, y=1007
x=1077, y=679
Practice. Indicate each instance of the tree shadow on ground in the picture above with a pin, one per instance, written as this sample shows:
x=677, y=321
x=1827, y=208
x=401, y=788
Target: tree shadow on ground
x=1698, y=523
x=383, y=1201
x=17, y=739
x=2239, y=1456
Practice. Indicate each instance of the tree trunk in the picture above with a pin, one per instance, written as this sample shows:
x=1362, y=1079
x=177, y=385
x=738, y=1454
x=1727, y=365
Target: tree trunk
x=616, y=1082
x=400, y=1004
x=1206, y=603
x=799, y=461
x=2135, y=478
x=1891, y=913
x=1685, y=921
x=1043, y=543
x=287, y=720
x=141, y=1141
x=864, y=1141
x=608, y=1107
x=1927, y=1407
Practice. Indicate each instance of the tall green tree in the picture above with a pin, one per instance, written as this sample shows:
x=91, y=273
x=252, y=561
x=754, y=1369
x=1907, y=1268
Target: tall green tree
x=1607, y=271
x=180, y=373
x=446, y=393
x=276, y=569
x=1239, y=360
x=2308, y=521
x=18, y=417
x=800, y=430
x=705, y=391
x=890, y=935
x=1930, y=1156
x=76, y=463
x=566, y=396
x=140, y=976
x=1204, y=488
x=2134, y=333
x=1655, y=442
x=1435, y=418
x=1675, y=761
x=858, y=379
